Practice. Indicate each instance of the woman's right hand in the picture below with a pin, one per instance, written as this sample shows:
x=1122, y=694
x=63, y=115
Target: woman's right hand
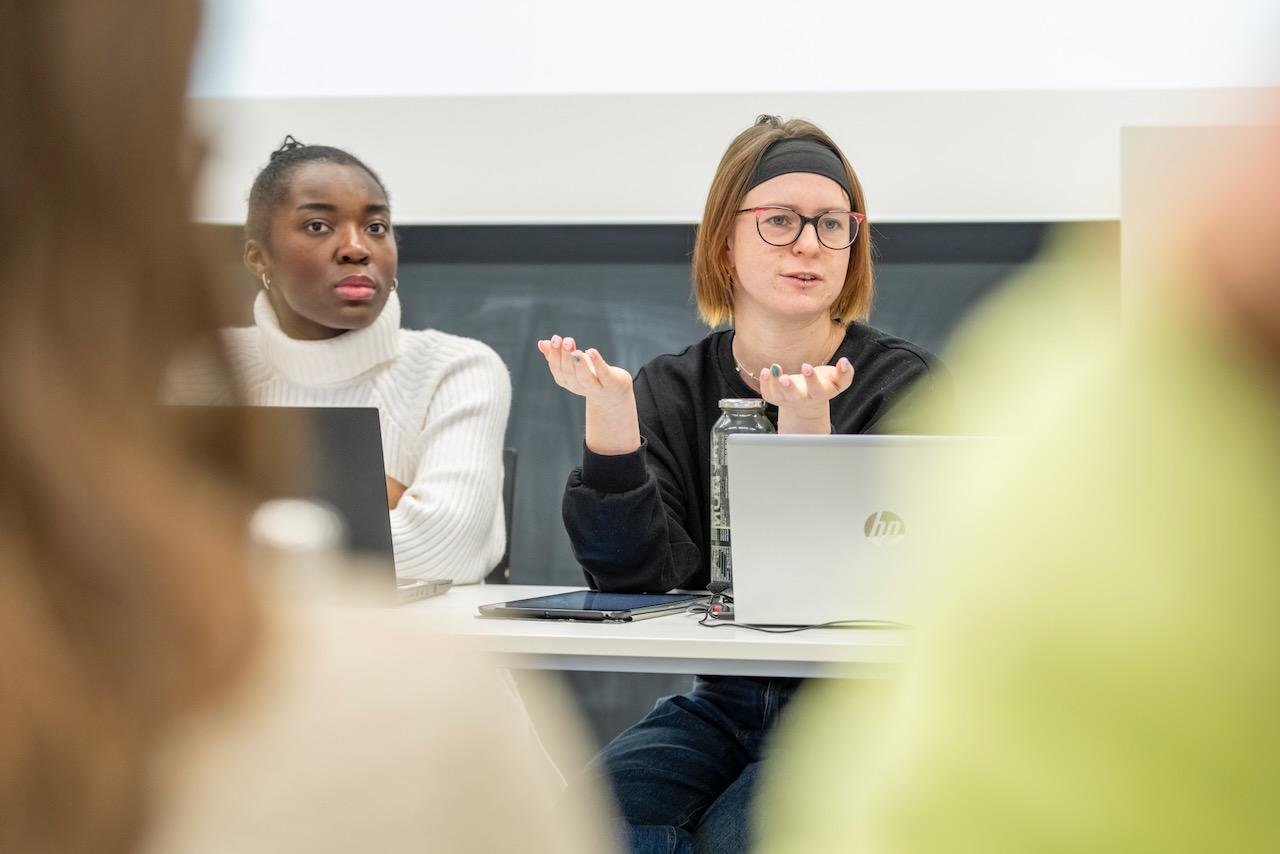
x=612, y=424
x=584, y=372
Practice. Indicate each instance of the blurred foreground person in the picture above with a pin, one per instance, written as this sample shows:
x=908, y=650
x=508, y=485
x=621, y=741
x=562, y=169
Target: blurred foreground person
x=150, y=698
x=1097, y=673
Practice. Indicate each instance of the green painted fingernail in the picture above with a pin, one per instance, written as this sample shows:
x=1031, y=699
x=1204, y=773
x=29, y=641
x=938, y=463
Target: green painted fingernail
x=775, y=369
x=576, y=359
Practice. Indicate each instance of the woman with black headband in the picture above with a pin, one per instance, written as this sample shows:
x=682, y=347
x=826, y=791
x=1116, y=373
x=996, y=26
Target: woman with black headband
x=783, y=256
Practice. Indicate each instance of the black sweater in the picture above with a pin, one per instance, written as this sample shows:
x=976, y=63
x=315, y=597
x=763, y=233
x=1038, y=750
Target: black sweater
x=639, y=521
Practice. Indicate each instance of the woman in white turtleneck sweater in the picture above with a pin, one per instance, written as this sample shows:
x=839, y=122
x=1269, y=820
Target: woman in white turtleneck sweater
x=327, y=333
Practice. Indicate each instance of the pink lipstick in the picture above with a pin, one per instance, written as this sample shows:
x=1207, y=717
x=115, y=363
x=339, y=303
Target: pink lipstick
x=356, y=289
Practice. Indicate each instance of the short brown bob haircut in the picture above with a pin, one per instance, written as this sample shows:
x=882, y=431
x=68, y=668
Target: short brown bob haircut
x=712, y=271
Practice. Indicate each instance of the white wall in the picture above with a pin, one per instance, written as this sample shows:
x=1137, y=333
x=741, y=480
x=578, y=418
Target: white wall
x=360, y=48
x=1013, y=156
x=566, y=111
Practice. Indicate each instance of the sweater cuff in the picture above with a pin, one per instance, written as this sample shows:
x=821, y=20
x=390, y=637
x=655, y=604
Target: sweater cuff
x=614, y=472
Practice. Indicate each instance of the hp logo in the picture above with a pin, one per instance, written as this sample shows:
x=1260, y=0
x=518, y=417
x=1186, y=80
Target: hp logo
x=884, y=528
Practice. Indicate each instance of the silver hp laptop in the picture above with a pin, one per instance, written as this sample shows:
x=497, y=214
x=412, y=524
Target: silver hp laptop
x=835, y=528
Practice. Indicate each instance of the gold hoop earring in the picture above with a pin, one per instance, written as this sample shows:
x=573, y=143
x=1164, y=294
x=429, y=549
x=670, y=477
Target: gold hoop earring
x=266, y=283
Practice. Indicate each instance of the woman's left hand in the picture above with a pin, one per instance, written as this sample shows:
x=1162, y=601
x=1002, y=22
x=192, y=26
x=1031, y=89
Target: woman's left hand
x=803, y=399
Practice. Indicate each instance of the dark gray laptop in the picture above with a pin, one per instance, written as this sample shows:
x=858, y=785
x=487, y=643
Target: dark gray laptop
x=345, y=470
x=341, y=465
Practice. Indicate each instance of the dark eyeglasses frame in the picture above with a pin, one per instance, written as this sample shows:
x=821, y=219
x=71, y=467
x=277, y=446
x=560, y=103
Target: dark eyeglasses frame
x=859, y=218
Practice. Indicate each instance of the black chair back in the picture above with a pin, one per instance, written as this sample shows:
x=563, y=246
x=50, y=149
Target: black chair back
x=501, y=574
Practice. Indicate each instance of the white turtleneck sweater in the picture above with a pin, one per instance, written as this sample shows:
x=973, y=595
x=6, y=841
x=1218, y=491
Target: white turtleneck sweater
x=443, y=402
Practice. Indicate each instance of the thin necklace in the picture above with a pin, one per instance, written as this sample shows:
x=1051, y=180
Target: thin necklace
x=756, y=377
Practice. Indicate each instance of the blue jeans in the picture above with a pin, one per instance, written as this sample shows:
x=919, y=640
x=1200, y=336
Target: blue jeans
x=685, y=774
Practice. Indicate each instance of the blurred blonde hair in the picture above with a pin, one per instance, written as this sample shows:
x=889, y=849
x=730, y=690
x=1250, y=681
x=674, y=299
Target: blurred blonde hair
x=712, y=271
x=123, y=597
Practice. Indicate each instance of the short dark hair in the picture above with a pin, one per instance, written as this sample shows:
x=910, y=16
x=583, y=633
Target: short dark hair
x=272, y=184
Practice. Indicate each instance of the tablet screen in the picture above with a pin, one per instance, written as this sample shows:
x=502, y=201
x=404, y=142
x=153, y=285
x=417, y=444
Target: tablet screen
x=592, y=600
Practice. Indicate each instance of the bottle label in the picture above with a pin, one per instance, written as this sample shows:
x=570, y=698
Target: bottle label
x=721, y=560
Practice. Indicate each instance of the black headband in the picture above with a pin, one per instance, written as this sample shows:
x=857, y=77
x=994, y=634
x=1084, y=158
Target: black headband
x=801, y=155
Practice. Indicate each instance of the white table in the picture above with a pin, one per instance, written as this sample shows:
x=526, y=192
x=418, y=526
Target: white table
x=673, y=643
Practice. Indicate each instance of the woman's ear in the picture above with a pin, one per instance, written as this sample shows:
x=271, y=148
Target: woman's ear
x=255, y=259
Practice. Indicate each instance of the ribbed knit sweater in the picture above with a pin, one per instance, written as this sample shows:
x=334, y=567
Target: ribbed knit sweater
x=443, y=402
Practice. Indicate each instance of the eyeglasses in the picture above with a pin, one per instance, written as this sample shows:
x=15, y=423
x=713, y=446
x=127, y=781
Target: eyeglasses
x=780, y=226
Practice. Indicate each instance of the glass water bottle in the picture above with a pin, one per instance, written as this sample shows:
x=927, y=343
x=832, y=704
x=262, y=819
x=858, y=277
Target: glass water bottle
x=736, y=416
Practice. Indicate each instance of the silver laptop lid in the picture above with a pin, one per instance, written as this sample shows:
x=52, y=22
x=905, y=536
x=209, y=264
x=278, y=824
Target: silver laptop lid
x=827, y=528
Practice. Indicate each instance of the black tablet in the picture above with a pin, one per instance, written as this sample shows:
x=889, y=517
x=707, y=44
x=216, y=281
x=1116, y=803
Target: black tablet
x=594, y=606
